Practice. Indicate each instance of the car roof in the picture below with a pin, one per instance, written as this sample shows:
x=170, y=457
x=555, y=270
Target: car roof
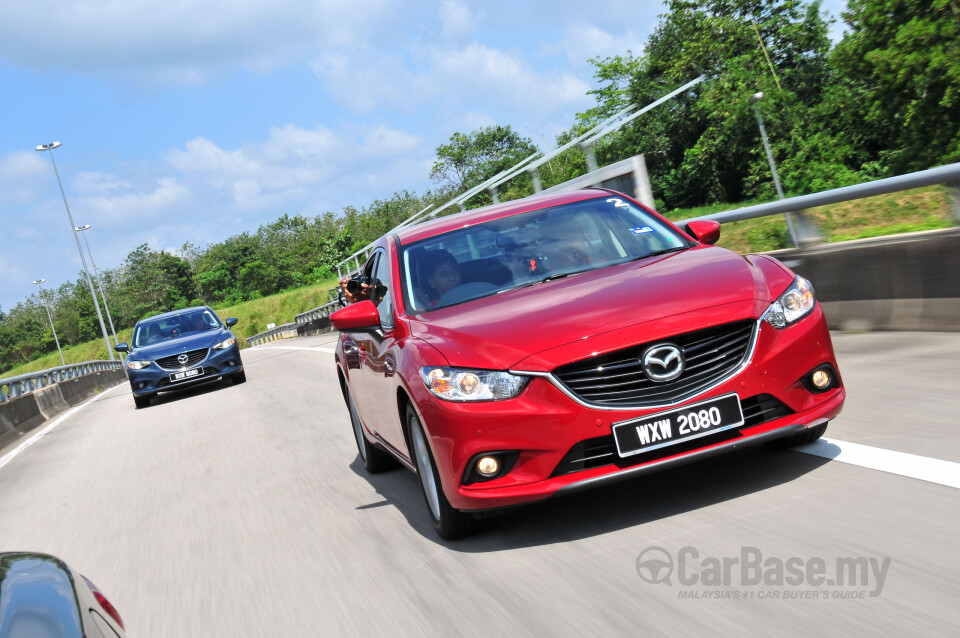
x=174, y=313
x=496, y=211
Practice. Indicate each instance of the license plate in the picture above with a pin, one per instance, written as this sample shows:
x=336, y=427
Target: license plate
x=186, y=374
x=673, y=426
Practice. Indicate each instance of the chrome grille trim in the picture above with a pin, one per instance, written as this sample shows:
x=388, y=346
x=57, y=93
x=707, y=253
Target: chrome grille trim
x=194, y=358
x=748, y=358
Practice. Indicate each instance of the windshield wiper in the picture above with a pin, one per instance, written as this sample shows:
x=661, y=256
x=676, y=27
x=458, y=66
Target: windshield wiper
x=660, y=252
x=527, y=284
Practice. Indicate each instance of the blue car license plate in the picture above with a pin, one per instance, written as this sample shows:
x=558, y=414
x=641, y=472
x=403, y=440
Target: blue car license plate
x=186, y=374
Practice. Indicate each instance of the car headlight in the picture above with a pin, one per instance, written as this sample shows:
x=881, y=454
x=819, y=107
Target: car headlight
x=137, y=365
x=226, y=343
x=793, y=304
x=461, y=384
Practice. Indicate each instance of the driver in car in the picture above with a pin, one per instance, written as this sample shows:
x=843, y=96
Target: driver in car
x=442, y=273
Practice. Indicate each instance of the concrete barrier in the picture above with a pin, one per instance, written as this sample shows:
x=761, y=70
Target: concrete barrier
x=21, y=414
x=899, y=282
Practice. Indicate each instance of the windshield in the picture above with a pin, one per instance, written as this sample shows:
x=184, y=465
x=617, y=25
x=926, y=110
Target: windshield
x=154, y=331
x=530, y=248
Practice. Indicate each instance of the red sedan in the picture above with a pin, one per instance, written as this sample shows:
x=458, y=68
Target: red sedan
x=542, y=346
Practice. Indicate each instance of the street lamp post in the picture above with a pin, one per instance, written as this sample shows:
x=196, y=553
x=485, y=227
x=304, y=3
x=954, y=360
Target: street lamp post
x=99, y=279
x=83, y=261
x=804, y=231
x=50, y=317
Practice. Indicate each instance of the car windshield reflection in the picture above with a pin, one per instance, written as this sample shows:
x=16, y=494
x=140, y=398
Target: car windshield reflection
x=172, y=327
x=531, y=248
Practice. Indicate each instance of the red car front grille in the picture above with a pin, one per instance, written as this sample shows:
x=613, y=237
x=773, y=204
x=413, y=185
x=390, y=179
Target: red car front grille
x=618, y=379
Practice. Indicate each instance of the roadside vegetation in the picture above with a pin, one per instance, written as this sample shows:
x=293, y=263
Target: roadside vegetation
x=884, y=100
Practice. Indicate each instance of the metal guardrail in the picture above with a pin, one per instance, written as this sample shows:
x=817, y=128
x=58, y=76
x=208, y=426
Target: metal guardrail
x=273, y=334
x=317, y=313
x=22, y=384
x=940, y=175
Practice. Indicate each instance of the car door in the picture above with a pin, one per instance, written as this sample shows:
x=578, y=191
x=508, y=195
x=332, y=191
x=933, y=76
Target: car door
x=380, y=362
x=355, y=348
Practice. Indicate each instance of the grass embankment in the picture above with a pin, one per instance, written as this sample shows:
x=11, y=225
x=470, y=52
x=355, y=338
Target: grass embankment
x=253, y=317
x=919, y=209
x=925, y=208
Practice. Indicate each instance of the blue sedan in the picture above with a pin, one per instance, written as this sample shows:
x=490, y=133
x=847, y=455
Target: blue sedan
x=180, y=349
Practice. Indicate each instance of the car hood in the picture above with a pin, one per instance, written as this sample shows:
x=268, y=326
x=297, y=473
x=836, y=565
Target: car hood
x=185, y=343
x=548, y=324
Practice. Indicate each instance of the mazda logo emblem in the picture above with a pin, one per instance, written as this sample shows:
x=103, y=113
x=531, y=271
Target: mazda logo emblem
x=183, y=359
x=663, y=362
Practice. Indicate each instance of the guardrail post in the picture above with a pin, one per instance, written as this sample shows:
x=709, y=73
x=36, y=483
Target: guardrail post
x=537, y=184
x=493, y=194
x=641, y=181
x=591, y=156
x=953, y=189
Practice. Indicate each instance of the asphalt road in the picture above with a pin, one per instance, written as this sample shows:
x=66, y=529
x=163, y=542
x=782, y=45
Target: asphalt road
x=242, y=511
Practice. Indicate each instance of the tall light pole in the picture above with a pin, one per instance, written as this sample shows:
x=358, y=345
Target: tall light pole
x=96, y=274
x=808, y=232
x=73, y=225
x=50, y=317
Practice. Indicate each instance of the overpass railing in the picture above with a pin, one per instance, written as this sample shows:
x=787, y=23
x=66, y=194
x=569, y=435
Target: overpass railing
x=278, y=332
x=11, y=387
x=939, y=175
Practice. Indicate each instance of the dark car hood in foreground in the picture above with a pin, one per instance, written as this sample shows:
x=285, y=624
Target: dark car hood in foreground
x=195, y=341
x=525, y=328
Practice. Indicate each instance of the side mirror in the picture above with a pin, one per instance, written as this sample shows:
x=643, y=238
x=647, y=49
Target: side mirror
x=705, y=231
x=230, y=322
x=359, y=317
x=122, y=347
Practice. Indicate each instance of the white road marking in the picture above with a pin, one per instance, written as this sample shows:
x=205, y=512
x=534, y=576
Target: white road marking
x=313, y=348
x=910, y=465
x=9, y=456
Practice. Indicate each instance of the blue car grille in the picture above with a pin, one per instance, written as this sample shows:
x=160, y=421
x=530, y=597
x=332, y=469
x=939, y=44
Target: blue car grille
x=193, y=358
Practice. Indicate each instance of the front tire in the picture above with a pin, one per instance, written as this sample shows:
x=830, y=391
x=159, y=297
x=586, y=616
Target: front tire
x=142, y=402
x=373, y=458
x=240, y=377
x=449, y=522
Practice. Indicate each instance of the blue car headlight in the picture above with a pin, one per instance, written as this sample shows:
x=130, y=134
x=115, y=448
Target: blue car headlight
x=138, y=365
x=226, y=343
x=796, y=302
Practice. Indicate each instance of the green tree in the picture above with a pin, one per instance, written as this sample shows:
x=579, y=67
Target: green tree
x=470, y=159
x=901, y=59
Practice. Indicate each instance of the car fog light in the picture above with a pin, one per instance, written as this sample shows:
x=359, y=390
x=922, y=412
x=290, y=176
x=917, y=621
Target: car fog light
x=820, y=378
x=141, y=385
x=488, y=466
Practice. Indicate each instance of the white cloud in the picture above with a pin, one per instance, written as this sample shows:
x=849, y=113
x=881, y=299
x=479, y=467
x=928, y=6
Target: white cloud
x=294, y=162
x=584, y=42
x=96, y=183
x=457, y=20
x=181, y=41
x=472, y=76
x=164, y=197
x=24, y=175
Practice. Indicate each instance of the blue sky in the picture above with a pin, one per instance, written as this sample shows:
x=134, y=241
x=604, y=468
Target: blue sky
x=193, y=121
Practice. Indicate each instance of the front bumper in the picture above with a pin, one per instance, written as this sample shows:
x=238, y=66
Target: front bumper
x=152, y=379
x=547, y=427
